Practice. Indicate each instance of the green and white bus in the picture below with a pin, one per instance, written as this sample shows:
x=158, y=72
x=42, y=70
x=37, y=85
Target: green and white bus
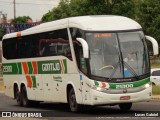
x=85, y=60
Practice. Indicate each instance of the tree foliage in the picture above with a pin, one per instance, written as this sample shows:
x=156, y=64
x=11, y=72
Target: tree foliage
x=21, y=19
x=149, y=17
x=68, y=8
x=146, y=12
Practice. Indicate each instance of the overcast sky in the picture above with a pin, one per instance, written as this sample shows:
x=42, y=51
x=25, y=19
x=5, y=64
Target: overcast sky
x=33, y=8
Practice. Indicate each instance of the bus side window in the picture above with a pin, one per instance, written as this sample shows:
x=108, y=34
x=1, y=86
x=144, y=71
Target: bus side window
x=55, y=43
x=81, y=62
x=21, y=48
x=42, y=49
x=67, y=51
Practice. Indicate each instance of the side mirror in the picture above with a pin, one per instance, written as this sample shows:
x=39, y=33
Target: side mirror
x=154, y=44
x=84, y=47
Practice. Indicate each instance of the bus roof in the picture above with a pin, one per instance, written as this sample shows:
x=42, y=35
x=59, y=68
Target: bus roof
x=89, y=23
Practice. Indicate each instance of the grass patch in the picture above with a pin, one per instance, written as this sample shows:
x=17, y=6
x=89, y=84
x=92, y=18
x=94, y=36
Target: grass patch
x=155, y=65
x=1, y=86
x=156, y=90
x=155, y=62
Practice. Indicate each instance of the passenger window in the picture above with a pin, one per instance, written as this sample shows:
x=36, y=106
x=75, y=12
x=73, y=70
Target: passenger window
x=54, y=46
x=53, y=43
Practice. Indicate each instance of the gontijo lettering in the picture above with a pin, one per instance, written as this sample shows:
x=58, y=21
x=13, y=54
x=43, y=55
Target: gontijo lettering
x=51, y=67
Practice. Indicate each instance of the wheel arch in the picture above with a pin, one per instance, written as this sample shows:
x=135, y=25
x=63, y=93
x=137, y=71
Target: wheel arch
x=22, y=85
x=15, y=85
x=68, y=88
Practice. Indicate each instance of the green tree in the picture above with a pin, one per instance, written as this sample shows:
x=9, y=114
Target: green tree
x=61, y=11
x=149, y=17
x=21, y=19
x=68, y=8
x=146, y=12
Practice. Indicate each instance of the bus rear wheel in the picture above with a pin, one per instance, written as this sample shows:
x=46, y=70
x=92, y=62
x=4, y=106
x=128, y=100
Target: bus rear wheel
x=72, y=101
x=24, y=98
x=125, y=106
x=18, y=96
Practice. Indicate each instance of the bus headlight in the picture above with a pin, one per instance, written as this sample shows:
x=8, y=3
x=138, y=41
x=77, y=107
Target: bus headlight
x=100, y=89
x=147, y=85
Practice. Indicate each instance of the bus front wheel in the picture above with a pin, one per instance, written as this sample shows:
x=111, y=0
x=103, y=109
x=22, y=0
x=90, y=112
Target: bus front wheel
x=125, y=106
x=72, y=101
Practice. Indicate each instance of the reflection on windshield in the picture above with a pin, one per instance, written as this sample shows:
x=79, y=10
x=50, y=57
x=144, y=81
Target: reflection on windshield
x=134, y=52
x=104, y=54
x=107, y=54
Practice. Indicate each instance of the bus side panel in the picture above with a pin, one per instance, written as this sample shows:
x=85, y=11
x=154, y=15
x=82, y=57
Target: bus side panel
x=49, y=88
x=39, y=92
x=9, y=81
x=59, y=82
x=8, y=85
x=74, y=81
x=31, y=93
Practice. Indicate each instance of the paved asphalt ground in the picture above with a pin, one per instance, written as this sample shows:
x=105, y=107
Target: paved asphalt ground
x=60, y=111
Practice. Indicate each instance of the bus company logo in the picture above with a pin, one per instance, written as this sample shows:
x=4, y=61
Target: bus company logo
x=52, y=67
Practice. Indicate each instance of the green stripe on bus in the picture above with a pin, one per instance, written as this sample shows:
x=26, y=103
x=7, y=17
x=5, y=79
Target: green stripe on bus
x=43, y=67
x=135, y=84
x=30, y=67
x=19, y=68
x=10, y=68
x=33, y=81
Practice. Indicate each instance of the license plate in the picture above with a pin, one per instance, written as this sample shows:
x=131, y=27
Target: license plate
x=125, y=98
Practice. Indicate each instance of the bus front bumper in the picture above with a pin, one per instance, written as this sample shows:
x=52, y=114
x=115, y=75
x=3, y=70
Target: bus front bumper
x=101, y=98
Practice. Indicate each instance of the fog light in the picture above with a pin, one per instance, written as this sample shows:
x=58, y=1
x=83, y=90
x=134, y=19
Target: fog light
x=147, y=85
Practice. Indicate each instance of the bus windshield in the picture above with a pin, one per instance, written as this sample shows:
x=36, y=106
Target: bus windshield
x=117, y=55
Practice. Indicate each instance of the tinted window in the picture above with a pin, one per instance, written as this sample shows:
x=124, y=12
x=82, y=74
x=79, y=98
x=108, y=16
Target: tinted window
x=9, y=48
x=51, y=43
x=76, y=33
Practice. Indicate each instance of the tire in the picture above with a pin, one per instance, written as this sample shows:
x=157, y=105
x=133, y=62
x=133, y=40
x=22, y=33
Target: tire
x=24, y=98
x=125, y=106
x=74, y=107
x=18, y=96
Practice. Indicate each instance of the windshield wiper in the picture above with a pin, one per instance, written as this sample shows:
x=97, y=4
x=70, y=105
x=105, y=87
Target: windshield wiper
x=116, y=67
x=126, y=65
x=131, y=70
